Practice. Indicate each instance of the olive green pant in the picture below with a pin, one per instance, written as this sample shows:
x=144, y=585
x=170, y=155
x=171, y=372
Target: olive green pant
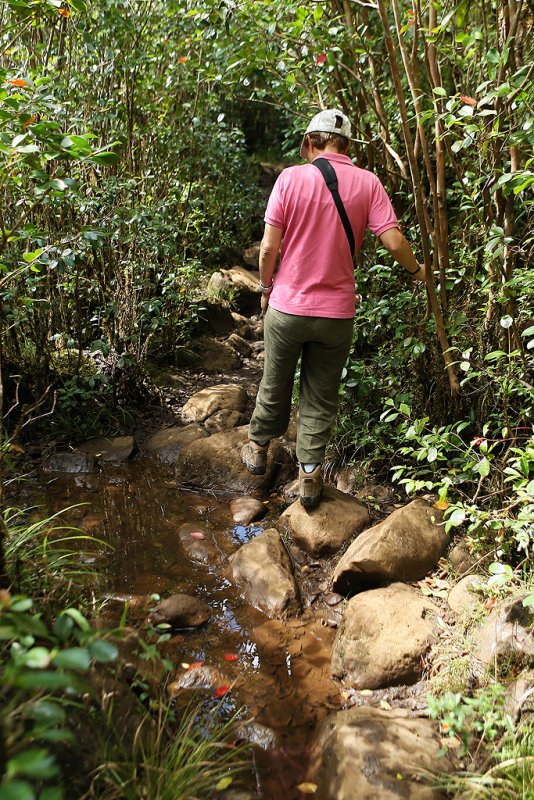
x=324, y=344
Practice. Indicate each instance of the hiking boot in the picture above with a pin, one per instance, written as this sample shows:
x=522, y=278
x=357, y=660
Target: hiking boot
x=254, y=457
x=310, y=487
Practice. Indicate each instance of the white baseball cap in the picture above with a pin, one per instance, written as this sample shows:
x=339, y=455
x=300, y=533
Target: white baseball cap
x=331, y=120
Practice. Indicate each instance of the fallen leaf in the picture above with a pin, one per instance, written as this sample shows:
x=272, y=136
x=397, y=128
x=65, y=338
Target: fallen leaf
x=224, y=783
x=220, y=691
x=307, y=788
x=30, y=121
x=366, y=692
x=441, y=505
x=489, y=603
x=64, y=12
x=185, y=665
x=385, y=705
x=16, y=448
x=182, y=59
x=18, y=82
x=321, y=58
x=196, y=664
x=470, y=101
x=198, y=535
x=230, y=657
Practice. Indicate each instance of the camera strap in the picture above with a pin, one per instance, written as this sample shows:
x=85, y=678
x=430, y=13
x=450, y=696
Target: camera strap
x=330, y=177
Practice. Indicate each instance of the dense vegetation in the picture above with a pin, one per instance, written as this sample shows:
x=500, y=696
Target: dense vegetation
x=130, y=137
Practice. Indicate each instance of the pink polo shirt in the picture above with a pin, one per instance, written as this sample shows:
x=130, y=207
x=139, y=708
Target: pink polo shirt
x=316, y=273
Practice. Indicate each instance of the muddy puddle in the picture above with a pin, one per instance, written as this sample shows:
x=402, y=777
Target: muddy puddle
x=280, y=676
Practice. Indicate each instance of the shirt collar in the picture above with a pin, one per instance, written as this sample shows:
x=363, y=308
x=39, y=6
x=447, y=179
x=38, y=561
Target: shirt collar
x=339, y=158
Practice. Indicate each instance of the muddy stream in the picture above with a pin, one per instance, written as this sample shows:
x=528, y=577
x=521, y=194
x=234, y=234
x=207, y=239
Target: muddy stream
x=278, y=671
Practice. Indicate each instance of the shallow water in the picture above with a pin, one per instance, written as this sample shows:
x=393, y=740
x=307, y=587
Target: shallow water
x=281, y=674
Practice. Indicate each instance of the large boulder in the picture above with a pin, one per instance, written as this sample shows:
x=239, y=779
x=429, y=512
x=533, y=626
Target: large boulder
x=464, y=596
x=373, y=754
x=383, y=636
x=215, y=318
x=325, y=529
x=203, y=404
x=403, y=547
x=243, y=286
x=263, y=569
x=507, y=635
x=215, y=356
x=167, y=443
x=215, y=463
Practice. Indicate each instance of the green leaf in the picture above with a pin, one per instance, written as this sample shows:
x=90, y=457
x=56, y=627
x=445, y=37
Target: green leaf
x=78, y=618
x=16, y=790
x=76, y=658
x=528, y=331
x=529, y=600
x=43, y=680
x=405, y=409
x=482, y=468
x=37, y=658
x=432, y=454
x=104, y=158
x=51, y=793
x=48, y=712
x=439, y=90
x=457, y=517
x=33, y=763
x=103, y=652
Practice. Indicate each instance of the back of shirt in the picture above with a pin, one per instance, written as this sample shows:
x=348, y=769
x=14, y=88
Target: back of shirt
x=316, y=272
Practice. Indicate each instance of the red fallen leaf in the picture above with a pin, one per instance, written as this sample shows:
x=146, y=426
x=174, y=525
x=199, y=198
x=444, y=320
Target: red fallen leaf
x=64, y=12
x=230, y=657
x=220, y=691
x=469, y=101
x=18, y=82
x=490, y=603
x=321, y=58
x=182, y=59
x=195, y=664
x=30, y=121
x=198, y=535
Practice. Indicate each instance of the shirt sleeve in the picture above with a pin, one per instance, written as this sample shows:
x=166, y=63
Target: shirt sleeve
x=274, y=213
x=381, y=216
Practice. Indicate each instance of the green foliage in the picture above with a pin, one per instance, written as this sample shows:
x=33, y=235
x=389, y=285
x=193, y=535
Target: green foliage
x=482, y=717
x=44, y=675
x=195, y=756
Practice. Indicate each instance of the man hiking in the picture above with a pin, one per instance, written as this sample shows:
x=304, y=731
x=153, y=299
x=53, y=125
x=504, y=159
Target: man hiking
x=309, y=308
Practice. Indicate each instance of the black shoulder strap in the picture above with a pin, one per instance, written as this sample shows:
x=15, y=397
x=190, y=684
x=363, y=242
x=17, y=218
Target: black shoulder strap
x=329, y=174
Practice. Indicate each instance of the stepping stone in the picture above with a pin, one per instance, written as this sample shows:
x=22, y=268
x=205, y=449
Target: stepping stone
x=325, y=529
x=115, y=450
x=223, y=397
x=167, y=443
x=373, y=754
x=383, y=636
x=70, y=463
x=263, y=569
x=181, y=611
x=197, y=548
x=245, y=510
x=403, y=547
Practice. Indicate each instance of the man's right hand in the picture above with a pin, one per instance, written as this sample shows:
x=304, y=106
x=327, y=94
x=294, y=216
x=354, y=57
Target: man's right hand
x=264, y=303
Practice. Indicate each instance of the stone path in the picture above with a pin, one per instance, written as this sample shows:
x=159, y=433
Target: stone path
x=368, y=574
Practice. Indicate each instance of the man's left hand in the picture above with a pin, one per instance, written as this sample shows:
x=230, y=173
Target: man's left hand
x=264, y=303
